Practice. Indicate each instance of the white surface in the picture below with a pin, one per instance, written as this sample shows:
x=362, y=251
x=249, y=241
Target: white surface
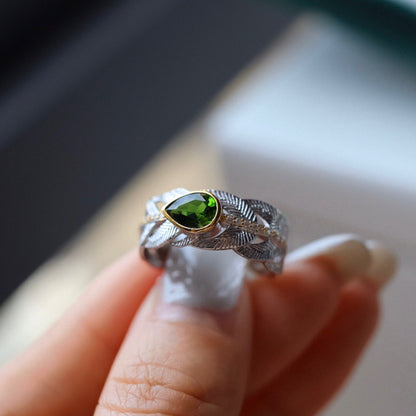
x=325, y=127
x=342, y=112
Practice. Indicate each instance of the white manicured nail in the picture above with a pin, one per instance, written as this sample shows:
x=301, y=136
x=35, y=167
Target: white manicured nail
x=203, y=278
x=383, y=263
x=348, y=253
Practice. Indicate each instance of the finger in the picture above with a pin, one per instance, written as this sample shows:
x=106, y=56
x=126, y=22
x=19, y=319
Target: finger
x=314, y=378
x=63, y=373
x=181, y=360
x=290, y=310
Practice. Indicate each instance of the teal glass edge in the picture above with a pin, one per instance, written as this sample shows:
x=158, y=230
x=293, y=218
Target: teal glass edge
x=391, y=22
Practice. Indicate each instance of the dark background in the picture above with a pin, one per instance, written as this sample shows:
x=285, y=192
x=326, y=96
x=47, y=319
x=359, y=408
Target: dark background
x=90, y=90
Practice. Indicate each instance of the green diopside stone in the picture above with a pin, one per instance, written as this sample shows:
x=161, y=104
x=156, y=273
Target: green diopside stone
x=196, y=210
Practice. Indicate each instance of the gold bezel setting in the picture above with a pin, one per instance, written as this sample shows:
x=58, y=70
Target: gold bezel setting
x=207, y=227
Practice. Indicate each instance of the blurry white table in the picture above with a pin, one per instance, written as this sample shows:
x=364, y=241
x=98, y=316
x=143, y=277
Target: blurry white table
x=324, y=126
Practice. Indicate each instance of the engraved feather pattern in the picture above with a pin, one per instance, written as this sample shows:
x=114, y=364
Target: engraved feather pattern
x=145, y=231
x=271, y=215
x=183, y=240
x=234, y=205
x=162, y=235
x=231, y=238
x=151, y=207
x=261, y=252
x=265, y=210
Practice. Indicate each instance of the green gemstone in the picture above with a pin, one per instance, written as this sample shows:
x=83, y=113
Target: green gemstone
x=196, y=210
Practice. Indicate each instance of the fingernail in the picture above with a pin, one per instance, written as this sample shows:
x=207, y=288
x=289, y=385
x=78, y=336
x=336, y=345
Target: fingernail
x=383, y=263
x=221, y=320
x=203, y=278
x=347, y=253
x=201, y=287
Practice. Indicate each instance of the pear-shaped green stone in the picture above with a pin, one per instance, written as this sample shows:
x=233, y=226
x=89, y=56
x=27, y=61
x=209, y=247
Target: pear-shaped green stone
x=195, y=210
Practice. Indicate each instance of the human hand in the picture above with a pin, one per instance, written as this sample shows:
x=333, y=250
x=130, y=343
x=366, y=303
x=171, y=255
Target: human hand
x=285, y=349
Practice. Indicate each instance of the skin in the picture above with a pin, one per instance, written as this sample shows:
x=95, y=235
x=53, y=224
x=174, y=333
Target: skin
x=286, y=348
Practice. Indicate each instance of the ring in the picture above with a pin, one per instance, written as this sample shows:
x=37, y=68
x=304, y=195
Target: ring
x=214, y=220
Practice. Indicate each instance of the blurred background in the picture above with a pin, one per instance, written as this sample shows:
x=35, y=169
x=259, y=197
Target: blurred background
x=308, y=105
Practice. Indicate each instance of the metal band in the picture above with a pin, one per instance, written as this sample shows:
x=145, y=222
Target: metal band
x=254, y=229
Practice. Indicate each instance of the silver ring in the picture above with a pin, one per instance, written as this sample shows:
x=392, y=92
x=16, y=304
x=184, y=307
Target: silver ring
x=214, y=220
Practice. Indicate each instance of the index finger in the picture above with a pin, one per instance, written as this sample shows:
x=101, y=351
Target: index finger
x=64, y=371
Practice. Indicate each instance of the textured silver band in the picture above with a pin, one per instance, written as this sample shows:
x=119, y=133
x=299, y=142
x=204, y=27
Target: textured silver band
x=254, y=229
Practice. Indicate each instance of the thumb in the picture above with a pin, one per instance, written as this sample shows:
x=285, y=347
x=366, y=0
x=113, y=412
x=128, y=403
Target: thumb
x=182, y=361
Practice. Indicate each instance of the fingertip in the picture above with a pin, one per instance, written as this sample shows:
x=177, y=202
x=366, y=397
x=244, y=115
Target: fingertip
x=346, y=254
x=311, y=282
x=383, y=265
x=288, y=312
x=361, y=300
x=321, y=369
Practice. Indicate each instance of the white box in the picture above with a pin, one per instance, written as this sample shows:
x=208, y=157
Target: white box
x=324, y=126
